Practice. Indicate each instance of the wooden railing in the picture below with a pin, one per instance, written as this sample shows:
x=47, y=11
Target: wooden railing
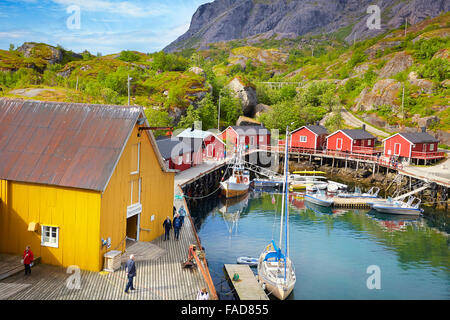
x=380, y=160
x=427, y=155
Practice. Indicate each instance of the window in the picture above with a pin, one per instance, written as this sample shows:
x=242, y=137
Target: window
x=49, y=236
x=135, y=155
x=135, y=186
x=261, y=139
x=252, y=141
x=431, y=147
x=180, y=160
x=369, y=143
x=188, y=158
x=303, y=139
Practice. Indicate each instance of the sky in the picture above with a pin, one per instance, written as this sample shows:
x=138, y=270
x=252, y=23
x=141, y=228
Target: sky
x=99, y=26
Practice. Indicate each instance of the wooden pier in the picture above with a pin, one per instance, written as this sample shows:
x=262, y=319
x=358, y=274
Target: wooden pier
x=354, y=203
x=247, y=287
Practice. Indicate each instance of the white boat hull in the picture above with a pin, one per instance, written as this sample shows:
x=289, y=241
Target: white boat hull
x=232, y=190
x=318, y=201
x=397, y=210
x=276, y=285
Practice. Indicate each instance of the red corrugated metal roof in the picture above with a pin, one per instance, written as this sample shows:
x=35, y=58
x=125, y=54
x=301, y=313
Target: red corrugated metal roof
x=63, y=144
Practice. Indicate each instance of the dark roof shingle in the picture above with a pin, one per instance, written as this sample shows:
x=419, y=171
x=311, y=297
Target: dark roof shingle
x=358, y=134
x=419, y=137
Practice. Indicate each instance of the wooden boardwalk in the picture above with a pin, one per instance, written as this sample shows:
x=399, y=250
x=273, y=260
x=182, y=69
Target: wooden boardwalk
x=160, y=276
x=247, y=287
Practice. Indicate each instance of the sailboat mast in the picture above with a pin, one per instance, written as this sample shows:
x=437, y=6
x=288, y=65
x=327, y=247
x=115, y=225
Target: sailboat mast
x=285, y=188
x=286, y=156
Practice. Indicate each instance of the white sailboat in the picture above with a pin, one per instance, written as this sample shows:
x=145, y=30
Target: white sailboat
x=275, y=269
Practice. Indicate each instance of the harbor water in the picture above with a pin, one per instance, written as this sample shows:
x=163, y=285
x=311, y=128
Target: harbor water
x=335, y=252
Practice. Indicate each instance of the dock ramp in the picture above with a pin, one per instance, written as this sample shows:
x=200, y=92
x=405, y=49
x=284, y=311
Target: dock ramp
x=247, y=287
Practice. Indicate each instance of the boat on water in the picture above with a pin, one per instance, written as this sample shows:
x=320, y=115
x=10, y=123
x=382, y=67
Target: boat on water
x=276, y=271
x=252, y=262
x=335, y=187
x=390, y=206
x=273, y=182
x=372, y=193
x=304, y=180
x=239, y=182
x=319, y=199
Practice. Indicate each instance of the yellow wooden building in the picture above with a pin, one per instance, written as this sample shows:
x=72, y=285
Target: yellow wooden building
x=76, y=180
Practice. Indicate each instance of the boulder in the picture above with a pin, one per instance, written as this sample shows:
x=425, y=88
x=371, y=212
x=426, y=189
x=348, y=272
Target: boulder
x=442, y=54
x=427, y=121
x=246, y=93
x=400, y=62
x=425, y=86
x=198, y=71
x=46, y=52
x=384, y=92
x=261, y=108
x=380, y=47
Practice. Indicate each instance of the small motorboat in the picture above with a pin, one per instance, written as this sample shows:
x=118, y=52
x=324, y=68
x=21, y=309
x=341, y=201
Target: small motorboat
x=372, y=193
x=252, y=262
x=411, y=207
x=319, y=199
x=334, y=187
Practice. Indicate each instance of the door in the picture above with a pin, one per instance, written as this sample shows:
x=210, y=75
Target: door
x=339, y=143
x=210, y=151
x=397, y=149
x=134, y=210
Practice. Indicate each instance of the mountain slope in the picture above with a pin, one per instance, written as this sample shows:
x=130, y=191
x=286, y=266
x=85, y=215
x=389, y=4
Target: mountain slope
x=224, y=20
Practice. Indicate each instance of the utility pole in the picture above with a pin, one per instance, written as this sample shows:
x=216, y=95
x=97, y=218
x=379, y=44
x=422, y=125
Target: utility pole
x=129, y=80
x=218, y=115
x=77, y=85
x=403, y=102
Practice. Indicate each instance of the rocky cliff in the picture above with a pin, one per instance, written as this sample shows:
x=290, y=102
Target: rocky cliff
x=224, y=20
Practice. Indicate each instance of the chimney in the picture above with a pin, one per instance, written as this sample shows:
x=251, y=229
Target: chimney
x=364, y=127
x=424, y=129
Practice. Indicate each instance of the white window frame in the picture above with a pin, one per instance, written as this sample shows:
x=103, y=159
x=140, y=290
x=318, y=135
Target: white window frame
x=261, y=139
x=138, y=159
x=303, y=139
x=369, y=143
x=180, y=160
x=139, y=197
x=51, y=229
x=432, y=147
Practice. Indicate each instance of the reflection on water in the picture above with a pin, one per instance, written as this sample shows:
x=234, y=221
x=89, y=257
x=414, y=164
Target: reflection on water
x=331, y=249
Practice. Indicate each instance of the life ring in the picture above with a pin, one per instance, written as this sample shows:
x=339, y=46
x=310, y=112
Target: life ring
x=245, y=179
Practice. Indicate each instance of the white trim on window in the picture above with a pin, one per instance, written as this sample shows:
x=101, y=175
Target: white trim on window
x=431, y=147
x=49, y=236
x=304, y=139
x=138, y=158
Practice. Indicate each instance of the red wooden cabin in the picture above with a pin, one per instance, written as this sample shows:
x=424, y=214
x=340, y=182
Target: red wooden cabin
x=311, y=137
x=415, y=145
x=212, y=146
x=352, y=141
x=180, y=155
x=251, y=136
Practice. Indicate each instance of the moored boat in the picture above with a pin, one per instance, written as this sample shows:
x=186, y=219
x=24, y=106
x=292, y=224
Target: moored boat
x=252, y=262
x=319, y=199
x=239, y=182
x=411, y=207
x=276, y=271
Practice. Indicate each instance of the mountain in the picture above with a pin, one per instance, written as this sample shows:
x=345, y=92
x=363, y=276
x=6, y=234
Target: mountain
x=225, y=20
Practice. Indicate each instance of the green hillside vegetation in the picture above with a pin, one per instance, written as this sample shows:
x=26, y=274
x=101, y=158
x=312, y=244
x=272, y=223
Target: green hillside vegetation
x=322, y=74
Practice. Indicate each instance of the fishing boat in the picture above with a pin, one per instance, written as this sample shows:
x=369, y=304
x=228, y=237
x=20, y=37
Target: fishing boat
x=252, y=262
x=319, y=199
x=275, y=269
x=239, y=182
x=411, y=207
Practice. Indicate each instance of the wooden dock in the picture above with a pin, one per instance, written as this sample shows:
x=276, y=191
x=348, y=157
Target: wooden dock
x=247, y=287
x=354, y=203
x=160, y=276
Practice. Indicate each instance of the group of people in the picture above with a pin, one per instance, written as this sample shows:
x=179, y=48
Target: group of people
x=177, y=223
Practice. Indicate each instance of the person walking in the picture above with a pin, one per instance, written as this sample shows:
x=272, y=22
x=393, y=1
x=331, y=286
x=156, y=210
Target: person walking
x=177, y=226
x=130, y=270
x=167, y=224
x=182, y=213
x=28, y=259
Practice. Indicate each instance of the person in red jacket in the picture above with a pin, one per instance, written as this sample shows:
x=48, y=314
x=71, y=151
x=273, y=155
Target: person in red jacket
x=27, y=260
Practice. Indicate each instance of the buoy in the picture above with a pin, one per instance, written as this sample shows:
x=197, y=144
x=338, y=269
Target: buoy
x=236, y=277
